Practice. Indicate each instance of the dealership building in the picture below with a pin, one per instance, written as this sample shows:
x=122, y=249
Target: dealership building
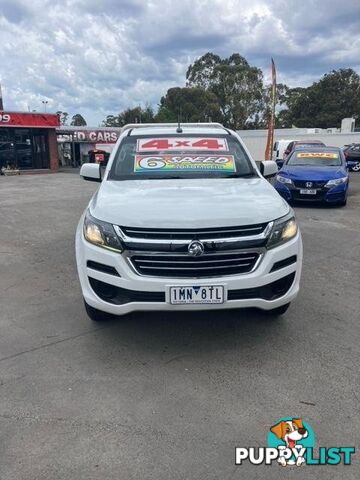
x=28, y=141
x=77, y=143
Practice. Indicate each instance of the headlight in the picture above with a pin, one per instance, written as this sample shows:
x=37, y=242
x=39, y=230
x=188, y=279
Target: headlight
x=284, y=229
x=336, y=181
x=101, y=233
x=282, y=179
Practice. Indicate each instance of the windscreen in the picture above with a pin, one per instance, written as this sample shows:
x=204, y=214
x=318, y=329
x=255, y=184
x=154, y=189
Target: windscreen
x=180, y=156
x=316, y=159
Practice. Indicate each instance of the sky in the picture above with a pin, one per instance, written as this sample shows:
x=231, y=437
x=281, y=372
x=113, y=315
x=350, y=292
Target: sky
x=99, y=57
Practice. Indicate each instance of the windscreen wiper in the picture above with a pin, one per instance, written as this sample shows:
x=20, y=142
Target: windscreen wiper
x=238, y=175
x=163, y=178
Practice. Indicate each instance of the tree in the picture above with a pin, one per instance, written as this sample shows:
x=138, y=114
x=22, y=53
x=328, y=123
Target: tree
x=237, y=86
x=192, y=104
x=63, y=117
x=78, y=120
x=288, y=99
x=325, y=103
x=111, y=121
x=130, y=115
x=261, y=118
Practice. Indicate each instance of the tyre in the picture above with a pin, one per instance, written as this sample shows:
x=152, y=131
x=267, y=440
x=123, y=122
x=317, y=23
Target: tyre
x=277, y=311
x=356, y=167
x=97, y=315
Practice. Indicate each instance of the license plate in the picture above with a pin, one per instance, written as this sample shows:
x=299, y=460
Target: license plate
x=197, y=294
x=308, y=192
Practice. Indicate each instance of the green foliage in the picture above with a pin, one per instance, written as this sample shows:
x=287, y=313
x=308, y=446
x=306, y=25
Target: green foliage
x=111, y=121
x=78, y=120
x=237, y=86
x=325, y=103
x=231, y=91
x=192, y=104
x=63, y=117
x=130, y=115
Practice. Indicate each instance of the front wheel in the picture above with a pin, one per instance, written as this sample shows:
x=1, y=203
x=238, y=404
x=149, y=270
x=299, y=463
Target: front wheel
x=278, y=311
x=95, y=314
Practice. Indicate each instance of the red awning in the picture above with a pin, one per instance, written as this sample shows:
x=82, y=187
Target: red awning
x=27, y=119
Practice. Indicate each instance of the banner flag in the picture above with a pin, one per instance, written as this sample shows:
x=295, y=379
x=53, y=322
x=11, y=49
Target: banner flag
x=1, y=100
x=271, y=125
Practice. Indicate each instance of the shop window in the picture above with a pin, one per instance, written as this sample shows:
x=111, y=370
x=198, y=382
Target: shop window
x=7, y=154
x=24, y=157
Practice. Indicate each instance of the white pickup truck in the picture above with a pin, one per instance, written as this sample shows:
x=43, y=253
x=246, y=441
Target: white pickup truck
x=184, y=219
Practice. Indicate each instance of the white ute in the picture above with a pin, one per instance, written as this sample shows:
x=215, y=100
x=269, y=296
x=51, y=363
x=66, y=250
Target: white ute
x=184, y=219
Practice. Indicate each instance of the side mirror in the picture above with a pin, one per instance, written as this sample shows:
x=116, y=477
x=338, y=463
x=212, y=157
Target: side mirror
x=268, y=168
x=280, y=163
x=91, y=172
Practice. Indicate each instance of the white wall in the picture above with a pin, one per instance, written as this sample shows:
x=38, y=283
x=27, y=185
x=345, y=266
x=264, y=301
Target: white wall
x=255, y=140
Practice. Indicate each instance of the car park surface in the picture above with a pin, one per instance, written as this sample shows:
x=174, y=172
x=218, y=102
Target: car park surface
x=166, y=395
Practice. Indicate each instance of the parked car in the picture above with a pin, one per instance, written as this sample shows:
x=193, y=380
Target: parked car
x=352, y=155
x=299, y=143
x=316, y=174
x=279, y=149
x=185, y=220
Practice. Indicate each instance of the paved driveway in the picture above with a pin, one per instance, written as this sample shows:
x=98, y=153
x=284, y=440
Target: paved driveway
x=160, y=396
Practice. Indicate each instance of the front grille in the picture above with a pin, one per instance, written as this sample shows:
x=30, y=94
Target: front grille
x=185, y=266
x=302, y=184
x=191, y=234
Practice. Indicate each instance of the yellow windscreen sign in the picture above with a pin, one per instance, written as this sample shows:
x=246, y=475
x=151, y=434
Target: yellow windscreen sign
x=317, y=155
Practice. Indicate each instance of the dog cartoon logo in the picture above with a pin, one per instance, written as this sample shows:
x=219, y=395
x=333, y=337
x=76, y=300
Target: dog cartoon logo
x=291, y=433
x=291, y=441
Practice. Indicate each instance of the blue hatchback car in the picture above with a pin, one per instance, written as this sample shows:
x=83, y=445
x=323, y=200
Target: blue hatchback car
x=315, y=174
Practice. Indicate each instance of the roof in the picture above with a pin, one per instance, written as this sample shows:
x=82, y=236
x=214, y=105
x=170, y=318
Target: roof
x=68, y=130
x=170, y=129
x=316, y=148
x=308, y=141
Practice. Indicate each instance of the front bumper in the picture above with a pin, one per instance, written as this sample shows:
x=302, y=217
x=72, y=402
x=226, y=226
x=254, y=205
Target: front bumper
x=324, y=194
x=240, y=290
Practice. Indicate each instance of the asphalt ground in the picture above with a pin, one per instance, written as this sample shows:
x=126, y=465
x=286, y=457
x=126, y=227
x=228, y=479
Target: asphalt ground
x=163, y=395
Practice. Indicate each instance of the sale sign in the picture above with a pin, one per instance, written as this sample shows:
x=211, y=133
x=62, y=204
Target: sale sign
x=190, y=144
x=317, y=155
x=189, y=163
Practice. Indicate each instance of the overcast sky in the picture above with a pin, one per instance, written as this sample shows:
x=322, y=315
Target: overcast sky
x=98, y=57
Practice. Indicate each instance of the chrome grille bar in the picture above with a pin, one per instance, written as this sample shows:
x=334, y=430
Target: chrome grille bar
x=172, y=265
x=216, y=236
x=195, y=262
x=197, y=267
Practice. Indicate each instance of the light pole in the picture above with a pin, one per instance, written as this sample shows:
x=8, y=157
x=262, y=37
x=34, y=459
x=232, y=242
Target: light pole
x=44, y=102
